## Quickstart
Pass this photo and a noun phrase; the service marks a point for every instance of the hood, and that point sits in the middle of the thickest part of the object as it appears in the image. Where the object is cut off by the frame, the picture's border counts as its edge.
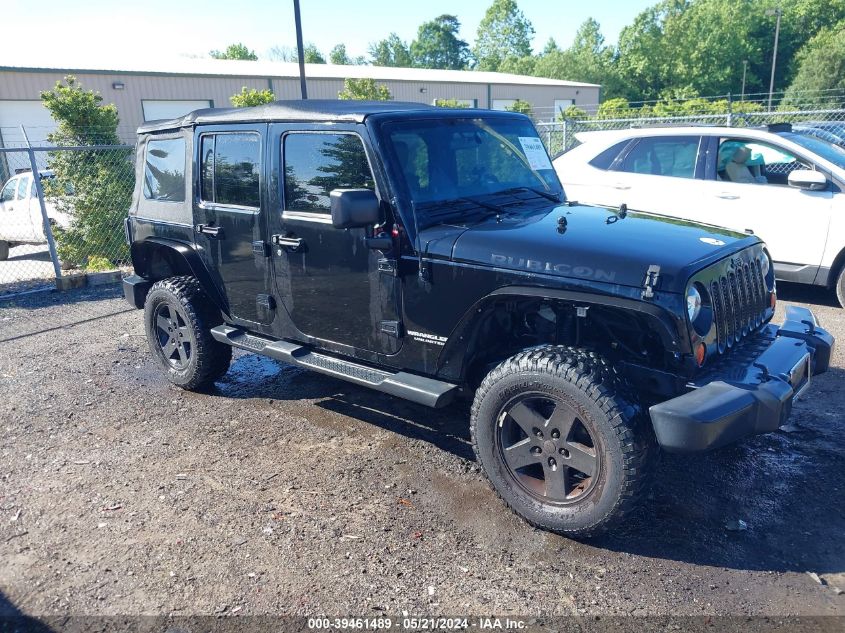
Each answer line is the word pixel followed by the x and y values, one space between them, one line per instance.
pixel 589 243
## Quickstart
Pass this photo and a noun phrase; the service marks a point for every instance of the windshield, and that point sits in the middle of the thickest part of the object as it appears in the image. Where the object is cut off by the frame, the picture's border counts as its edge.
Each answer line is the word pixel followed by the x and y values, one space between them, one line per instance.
pixel 831 153
pixel 450 159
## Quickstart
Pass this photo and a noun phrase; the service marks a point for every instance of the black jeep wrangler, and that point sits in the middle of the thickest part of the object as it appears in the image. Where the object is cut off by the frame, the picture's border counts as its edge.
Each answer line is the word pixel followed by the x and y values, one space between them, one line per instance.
pixel 428 253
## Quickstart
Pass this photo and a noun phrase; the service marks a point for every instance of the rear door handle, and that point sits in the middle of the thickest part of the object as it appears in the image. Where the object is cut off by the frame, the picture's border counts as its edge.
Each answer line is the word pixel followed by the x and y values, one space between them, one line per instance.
pixel 212 231
pixel 621 186
pixel 727 196
pixel 287 241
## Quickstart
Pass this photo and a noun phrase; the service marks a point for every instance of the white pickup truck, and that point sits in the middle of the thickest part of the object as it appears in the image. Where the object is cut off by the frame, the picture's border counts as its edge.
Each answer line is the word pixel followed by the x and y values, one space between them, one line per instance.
pixel 20 213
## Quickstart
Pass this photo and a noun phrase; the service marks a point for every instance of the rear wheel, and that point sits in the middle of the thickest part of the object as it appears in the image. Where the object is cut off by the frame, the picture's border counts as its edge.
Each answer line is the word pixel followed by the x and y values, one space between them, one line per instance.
pixel 4 251
pixel 178 318
pixel 560 441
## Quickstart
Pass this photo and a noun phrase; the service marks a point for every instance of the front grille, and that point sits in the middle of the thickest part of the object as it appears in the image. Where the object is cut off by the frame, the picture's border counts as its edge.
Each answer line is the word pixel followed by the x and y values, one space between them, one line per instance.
pixel 739 303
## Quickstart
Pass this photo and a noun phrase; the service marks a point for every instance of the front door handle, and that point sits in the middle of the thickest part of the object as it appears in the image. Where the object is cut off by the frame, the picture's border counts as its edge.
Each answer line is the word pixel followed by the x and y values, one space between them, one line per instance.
pixel 727 196
pixel 212 231
pixel 621 187
pixel 287 241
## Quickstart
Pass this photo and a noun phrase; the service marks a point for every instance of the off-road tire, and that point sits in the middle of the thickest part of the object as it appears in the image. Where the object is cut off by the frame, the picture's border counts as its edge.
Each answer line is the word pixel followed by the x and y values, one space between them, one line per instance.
pixel 4 251
pixel 208 359
pixel 625 447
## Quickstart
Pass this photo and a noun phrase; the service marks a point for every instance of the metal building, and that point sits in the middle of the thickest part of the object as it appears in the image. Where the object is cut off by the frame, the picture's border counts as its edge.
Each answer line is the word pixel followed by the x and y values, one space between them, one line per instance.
pixel 155 90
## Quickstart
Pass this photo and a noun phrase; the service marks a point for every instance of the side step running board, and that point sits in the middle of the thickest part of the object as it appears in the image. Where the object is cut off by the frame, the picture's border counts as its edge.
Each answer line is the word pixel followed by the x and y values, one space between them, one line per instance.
pixel 427 391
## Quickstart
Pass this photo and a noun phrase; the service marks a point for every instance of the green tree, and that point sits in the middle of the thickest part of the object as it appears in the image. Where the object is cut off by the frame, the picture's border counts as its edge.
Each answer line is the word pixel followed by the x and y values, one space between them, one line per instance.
pixel 101 181
pixel 392 51
pixel 338 55
pixel 503 32
pixel 251 97
pixel 289 54
pixel 519 65
pixel 438 45
pixel 588 60
pixel 312 55
pixel 572 112
pixel 523 107
pixel 617 108
pixel 701 44
pixel 450 103
pixel 235 51
pixel 821 71
pixel 364 90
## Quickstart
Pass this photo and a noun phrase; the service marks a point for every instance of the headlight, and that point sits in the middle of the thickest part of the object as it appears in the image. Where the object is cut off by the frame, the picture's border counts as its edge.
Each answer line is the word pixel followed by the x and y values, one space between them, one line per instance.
pixel 693 303
pixel 768 271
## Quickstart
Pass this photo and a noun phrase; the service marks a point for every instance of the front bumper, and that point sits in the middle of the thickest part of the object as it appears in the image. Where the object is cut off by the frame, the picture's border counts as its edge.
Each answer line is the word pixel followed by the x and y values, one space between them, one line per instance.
pixel 749 391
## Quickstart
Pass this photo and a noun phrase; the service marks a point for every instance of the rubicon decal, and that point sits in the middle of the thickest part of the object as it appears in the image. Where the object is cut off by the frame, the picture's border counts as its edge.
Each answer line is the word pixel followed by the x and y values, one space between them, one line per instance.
pixel 552 267
pixel 423 337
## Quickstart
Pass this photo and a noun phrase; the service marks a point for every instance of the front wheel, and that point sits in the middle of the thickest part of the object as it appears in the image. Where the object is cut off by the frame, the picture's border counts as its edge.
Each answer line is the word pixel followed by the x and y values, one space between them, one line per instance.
pixel 178 318
pixel 559 440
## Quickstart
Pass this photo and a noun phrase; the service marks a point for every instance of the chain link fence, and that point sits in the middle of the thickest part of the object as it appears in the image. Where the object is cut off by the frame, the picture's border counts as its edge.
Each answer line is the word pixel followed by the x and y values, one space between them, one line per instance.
pixel 828 125
pixel 61 227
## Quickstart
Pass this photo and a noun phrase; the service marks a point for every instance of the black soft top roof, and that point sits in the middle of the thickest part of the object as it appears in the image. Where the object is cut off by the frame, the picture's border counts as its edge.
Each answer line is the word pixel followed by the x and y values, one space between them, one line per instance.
pixel 310 110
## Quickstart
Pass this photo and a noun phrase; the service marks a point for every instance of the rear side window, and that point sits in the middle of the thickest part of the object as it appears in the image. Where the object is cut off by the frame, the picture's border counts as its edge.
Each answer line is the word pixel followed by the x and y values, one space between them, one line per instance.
pixel 230 168
pixel 663 156
pixel 315 164
pixel 164 170
pixel 605 159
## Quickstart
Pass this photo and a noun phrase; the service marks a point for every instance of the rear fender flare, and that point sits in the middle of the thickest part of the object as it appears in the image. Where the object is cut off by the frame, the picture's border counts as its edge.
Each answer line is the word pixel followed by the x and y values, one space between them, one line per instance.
pixel 187 255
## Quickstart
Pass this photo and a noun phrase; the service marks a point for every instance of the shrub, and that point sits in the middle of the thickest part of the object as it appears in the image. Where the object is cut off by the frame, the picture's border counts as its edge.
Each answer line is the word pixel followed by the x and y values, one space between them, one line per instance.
pixel 364 90
pixel 252 97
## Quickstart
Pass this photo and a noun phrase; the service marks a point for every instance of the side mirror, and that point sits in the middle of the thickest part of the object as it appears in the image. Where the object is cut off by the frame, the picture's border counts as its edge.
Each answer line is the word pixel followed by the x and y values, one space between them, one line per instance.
pixel 353 208
pixel 807 179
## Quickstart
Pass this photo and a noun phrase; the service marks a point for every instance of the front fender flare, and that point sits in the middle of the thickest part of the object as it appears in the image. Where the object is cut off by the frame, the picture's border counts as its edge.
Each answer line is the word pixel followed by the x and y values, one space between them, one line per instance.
pixel 668 328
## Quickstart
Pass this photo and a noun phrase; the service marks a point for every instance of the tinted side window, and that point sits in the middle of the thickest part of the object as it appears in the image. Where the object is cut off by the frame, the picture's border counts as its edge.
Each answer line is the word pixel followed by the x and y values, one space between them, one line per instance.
pixel 605 159
pixel 317 163
pixel 164 170
pixel 663 156
pixel 229 169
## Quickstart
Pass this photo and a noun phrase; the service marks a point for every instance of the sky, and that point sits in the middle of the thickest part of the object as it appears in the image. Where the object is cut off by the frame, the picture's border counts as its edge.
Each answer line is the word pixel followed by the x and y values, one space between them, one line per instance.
pixel 60 31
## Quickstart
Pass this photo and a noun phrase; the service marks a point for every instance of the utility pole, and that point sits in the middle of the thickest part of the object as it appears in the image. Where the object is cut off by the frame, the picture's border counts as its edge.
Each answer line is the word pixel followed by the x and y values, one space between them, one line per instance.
pixel 300 49
pixel 744 70
pixel 778 12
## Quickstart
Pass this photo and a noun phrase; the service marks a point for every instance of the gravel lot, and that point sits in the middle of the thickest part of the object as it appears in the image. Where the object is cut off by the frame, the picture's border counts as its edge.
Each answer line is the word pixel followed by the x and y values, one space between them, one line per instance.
pixel 286 492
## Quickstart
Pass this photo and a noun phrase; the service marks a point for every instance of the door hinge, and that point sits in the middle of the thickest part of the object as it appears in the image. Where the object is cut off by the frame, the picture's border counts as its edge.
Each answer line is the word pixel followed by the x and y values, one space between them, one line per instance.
pixel 262 249
pixel 391 328
pixel 652 278
pixel 387 266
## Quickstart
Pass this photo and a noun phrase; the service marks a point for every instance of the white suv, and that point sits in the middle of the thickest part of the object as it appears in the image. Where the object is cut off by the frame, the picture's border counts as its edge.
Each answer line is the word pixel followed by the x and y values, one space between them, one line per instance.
pixel 20 213
pixel 786 187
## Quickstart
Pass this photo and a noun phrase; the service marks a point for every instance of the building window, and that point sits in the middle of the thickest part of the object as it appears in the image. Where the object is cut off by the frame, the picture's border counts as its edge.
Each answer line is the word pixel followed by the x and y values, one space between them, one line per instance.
pixel 164 170
pixel 230 168
pixel 315 164
pixel 171 109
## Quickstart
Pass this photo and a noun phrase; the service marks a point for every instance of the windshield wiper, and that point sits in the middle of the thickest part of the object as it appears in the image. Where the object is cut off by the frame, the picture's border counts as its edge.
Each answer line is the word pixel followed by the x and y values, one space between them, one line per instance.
pixel 554 197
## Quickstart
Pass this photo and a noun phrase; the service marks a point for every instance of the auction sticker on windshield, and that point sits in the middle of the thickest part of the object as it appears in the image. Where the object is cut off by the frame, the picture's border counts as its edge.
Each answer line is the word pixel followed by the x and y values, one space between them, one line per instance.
pixel 535 153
